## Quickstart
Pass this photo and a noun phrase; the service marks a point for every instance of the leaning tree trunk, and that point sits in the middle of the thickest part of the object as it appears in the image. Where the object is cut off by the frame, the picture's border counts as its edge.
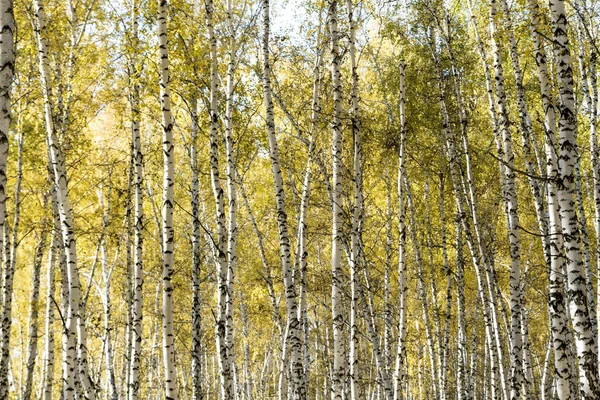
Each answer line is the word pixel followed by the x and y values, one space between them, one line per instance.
pixel 474 243
pixel 425 309
pixel 74 321
pixel 293 340
pixel 339 351
pixel 167 207
pixel 584 340
pixel 7 67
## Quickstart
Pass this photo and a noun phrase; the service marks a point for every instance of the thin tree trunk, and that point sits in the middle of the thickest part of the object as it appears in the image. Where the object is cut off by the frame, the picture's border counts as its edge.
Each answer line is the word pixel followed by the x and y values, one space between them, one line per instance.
pixel 34 311
pixel 48 357
pixel 197 373
pixel 138 225
pixel 425 309
pixel 225 366
pixel 357 209
pixel 112 391
pixel 474 244
pixel 261 250
pixel 74 320
pixel 302 252
pixel 292 338
pixel 399 377
pixel 232 229
pixel 462 387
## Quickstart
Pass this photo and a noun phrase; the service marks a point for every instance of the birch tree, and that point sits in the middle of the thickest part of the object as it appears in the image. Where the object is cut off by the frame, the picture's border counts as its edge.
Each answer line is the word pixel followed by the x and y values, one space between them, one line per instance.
pixel 402 286
pixel 567 126
pixel 7 68
pixel 510 193
pixel 293 340
pixel 167 238
pixel 74 322
pixel 138 223
pixel 339 352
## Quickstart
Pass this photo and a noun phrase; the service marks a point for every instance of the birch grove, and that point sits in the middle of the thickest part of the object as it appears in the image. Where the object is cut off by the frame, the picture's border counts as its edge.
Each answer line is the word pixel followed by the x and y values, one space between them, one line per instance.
pixel 342 200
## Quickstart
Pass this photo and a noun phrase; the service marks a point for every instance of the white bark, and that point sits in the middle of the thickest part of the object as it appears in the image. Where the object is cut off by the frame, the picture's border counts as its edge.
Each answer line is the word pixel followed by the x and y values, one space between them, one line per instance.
pixel 167 207
pixel 48 357
pixel 584 339
pixel 590 95
pixel 512 208
pixel 425 309
pixel 292 339
pixel 34 311
pixel 197 372
pixel 462 387
pixel 138 219
pixel 232 228
pixel 302 251
pixel 357 209
pixel 7 66
pixel 10 263
pixel 558 325
pixel 74 321
pixel 339 351
pixel 220 248
pixel 399 377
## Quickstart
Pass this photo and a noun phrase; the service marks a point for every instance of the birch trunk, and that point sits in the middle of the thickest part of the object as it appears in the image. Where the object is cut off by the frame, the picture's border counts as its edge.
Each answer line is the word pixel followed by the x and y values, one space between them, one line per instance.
pixel 197 373
pixel 302 251
pixel 339 351
pixel 167 207
pixel 138 224
pixel 425 309
pixel 399 377
pixel 357 209
pixel 292 338
pixel 474 243
pixel 225 367
pixel 232 229
pixel 48 357
pixel 34 311
pixel 462 386
pixel 7 67
pixel 584 340
pixel 510 194
pixel 590 95
pixel 10 263
pixel 74 320
pixel 558 325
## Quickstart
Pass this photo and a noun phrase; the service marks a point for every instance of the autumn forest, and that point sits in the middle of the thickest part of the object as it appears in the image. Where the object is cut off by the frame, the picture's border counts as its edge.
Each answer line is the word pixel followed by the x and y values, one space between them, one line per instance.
pixel 299 199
